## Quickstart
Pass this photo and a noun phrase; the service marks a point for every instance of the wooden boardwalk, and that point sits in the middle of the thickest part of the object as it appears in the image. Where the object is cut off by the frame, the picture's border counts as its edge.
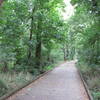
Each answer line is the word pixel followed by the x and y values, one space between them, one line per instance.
pixel 63 83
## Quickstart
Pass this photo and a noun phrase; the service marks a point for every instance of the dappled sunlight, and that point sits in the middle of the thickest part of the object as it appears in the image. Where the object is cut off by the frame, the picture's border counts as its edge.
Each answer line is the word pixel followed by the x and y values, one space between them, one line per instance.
pixel 68 10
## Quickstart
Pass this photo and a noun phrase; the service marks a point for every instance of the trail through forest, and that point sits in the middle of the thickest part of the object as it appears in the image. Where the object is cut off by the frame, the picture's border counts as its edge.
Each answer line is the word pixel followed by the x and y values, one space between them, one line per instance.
pixel 63 83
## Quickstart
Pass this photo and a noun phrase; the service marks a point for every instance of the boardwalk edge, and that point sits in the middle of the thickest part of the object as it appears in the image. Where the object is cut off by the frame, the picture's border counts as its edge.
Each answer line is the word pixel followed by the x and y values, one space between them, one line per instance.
pixel 85 85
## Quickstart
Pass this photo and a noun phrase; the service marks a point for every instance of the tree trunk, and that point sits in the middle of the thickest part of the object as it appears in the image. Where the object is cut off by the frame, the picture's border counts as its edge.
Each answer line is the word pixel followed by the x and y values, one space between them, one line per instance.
pixel 38 51
pixel 48 57
pixel 64 55
pixel 5 68
pixel 38 44
pixel 31 33
pixel 65 52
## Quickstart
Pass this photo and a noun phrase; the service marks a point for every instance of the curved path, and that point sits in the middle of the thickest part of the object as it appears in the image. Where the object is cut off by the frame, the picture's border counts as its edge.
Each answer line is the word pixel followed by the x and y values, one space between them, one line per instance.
pixel 63 83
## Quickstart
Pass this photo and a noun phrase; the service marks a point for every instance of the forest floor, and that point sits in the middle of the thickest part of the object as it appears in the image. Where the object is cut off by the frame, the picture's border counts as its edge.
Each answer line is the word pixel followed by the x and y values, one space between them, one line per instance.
pixel 63 83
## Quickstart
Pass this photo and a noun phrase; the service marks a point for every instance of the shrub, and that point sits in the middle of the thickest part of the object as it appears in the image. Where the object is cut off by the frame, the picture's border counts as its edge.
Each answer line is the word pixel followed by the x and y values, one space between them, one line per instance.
pixel 96 95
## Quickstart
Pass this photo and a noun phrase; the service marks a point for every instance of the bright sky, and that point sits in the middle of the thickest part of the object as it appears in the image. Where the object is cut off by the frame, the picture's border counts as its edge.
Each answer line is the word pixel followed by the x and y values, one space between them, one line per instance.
pixel 69 10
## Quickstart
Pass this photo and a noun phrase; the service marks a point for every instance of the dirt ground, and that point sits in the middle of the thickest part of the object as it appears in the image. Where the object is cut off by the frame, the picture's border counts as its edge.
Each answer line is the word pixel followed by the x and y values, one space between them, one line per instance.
pixel 63 83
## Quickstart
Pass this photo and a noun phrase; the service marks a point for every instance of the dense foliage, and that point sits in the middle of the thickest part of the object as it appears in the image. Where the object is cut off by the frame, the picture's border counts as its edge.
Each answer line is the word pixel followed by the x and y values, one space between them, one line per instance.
pixel 29 31
pixel 87 29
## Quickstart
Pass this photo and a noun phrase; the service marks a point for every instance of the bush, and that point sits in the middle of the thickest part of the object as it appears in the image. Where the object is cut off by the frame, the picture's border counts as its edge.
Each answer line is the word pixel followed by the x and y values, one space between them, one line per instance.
pixel 34 71
pixel 96 95
pixel 46 68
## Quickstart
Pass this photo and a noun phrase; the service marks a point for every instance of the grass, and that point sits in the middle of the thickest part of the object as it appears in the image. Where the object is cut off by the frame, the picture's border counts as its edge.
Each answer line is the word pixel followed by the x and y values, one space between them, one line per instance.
pixel 92 79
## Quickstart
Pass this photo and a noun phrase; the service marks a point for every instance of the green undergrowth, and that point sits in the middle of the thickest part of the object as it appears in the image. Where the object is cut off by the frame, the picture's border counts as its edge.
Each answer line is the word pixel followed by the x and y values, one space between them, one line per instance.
pixel 49 67
pixel 92 78
pixel 11 81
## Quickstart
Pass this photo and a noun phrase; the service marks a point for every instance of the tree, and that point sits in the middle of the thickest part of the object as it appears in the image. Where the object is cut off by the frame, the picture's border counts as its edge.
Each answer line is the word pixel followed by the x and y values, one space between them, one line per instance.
pixel 26 27
pixel 87 32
